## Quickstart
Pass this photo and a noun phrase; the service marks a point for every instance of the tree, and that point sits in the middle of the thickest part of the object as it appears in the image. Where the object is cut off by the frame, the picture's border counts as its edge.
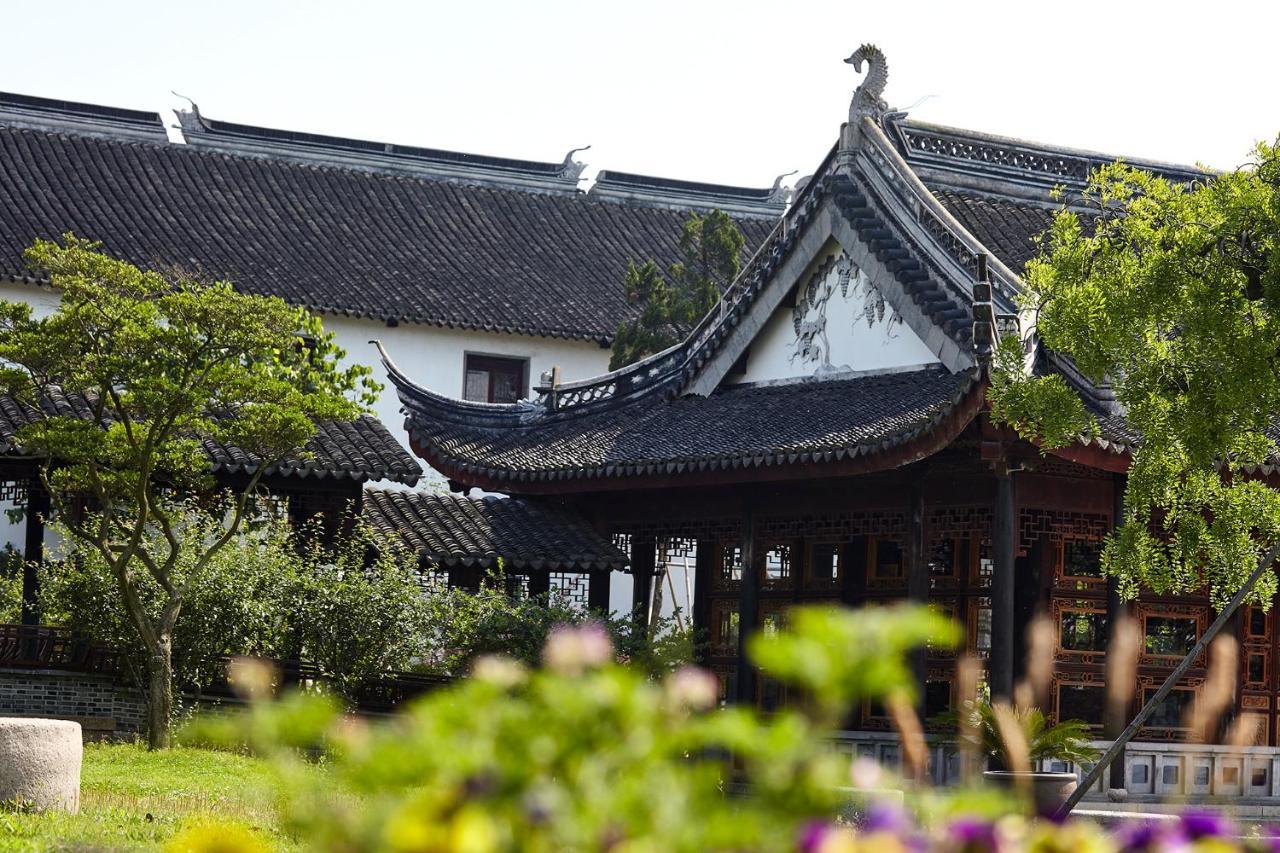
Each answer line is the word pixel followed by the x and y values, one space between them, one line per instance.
pixel 1172 292
pixel 123 382
pixel 671 305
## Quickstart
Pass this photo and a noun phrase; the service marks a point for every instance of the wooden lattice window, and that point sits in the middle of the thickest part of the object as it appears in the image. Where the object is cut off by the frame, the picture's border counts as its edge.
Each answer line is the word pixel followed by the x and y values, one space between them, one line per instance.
pixel 730 563
pixel 946 557
pixel 1257 669
pixel 493 379
pixel 778 566
pixel 825 568
pixel 1173 711
pixel 1085 702
pixel 885 559
pixel 570 588
pixel 724 628
pixel 1082 629
pixel 1170 636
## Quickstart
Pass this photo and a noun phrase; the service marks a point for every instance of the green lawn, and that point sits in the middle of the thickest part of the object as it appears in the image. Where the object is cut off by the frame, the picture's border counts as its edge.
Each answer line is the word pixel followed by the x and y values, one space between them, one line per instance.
pixel 132 799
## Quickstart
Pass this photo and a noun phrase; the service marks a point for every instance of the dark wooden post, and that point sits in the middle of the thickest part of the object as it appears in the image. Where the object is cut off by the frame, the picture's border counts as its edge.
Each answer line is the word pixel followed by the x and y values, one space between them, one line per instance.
pixel 1004 549
pixel 33 551
pixel 540 582
pixel 917 579
pixel 704 568
pixel 853 580
pixel 748 610
pixel 598 590
pixel 642 563
pixel 1117 609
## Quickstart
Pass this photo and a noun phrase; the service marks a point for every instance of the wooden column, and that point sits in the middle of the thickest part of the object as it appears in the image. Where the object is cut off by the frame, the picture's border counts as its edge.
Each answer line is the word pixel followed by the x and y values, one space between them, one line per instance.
pixel 917 579
pixel 642 562
pixel 1114 720
pixel 33 551
pixel 853 569
pixel 1028 589
pixel 748 610
pixel 704 568
pixel 540 582
pixel 466 577
pixel 1004 548
pixel 598 590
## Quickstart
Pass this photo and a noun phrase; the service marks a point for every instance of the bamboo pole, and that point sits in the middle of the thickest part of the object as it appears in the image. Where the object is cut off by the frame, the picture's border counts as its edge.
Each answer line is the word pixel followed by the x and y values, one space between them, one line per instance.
pixel 1118 745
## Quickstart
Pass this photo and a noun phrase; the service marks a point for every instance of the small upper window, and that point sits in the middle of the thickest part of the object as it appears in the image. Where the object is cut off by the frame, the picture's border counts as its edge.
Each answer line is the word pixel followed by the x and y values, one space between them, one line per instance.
pixel 490 379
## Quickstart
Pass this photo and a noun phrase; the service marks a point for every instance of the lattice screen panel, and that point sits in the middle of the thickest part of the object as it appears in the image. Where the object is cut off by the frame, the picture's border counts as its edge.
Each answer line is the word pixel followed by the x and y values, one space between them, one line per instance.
pixel 571 588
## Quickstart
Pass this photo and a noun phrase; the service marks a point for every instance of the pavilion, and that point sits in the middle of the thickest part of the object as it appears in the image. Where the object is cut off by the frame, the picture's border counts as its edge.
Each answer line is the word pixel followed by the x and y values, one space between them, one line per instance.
pixel 823 435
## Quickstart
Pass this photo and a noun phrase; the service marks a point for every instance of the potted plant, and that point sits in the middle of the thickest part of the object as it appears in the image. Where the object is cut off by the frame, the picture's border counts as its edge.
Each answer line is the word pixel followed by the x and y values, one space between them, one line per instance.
pixel 986 732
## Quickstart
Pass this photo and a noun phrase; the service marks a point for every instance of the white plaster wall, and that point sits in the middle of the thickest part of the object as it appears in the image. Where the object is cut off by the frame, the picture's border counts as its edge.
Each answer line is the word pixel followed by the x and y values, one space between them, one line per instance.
pixel 433 357
pixel 843 330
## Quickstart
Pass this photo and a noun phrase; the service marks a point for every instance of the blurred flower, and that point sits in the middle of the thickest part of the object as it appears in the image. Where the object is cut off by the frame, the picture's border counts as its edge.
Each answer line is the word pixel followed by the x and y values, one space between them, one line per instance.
pixel 887 817
pixel 1197 825
pixel 499 670
pixel 1139 835
pixel 210 837
pixel 825 837
pixel 866 773
pixel 572 649
pixel 971 835
pixel 692 687
pixel 251 678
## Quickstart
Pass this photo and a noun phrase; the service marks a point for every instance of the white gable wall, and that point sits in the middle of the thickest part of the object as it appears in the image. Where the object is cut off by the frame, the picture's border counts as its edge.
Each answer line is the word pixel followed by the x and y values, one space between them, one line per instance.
pixel 840 324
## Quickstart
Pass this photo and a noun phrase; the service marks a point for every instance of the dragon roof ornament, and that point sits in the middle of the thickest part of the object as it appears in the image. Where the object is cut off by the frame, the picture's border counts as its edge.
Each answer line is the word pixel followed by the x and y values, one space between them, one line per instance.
pixel 868 99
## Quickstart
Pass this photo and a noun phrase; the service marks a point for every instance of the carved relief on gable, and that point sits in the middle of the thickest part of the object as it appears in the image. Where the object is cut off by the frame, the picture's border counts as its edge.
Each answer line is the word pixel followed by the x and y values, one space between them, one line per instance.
pixel 840 323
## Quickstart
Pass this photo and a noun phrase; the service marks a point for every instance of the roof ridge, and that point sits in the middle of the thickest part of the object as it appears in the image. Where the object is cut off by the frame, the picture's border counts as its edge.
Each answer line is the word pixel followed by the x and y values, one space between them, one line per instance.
pixel 36 112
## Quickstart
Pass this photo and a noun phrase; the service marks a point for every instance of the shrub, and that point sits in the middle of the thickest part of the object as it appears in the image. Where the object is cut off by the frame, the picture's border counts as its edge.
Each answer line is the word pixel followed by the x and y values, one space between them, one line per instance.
pixel 354 608
pixel 588 754
pixel 463 625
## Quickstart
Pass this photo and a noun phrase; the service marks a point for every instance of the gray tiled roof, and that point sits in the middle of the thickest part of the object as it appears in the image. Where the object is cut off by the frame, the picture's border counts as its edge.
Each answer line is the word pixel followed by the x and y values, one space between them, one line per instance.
pixel 344 241
pixel 451 530
pixel 357 450
pixel 737 427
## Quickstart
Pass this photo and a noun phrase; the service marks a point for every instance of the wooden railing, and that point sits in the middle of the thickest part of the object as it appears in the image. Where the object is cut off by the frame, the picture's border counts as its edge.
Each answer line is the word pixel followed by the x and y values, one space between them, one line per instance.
pixel 43 647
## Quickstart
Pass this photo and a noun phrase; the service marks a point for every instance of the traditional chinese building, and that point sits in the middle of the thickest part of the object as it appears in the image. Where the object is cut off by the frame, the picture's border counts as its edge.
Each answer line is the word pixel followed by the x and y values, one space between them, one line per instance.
pixel 824 435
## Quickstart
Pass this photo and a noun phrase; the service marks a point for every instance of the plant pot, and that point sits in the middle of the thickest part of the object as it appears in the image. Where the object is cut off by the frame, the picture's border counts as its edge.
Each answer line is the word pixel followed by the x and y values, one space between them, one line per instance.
pixel 1049 791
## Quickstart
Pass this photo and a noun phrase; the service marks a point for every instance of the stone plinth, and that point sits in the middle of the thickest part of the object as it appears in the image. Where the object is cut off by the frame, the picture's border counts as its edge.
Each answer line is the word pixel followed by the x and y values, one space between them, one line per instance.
pixel 40 763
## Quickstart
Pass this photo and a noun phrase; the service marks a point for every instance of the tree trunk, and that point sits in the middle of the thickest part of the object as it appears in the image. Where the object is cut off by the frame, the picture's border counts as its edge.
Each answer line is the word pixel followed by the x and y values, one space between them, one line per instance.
pixel 160 695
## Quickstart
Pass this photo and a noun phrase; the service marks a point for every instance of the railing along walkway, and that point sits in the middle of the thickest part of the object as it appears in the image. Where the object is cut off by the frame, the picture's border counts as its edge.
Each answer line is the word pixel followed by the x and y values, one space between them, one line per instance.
pixel 1152 771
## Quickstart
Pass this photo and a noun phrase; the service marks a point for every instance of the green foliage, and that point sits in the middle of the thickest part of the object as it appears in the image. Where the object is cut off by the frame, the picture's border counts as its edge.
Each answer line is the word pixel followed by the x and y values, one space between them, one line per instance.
pixel 588 754
pixel 1066 741
pixel 238 604
pixel 671 305
pixel 355 609
pixel 1174 296
pixel 10 585
pixel 464 625
pixel 832 654
pixel 163 360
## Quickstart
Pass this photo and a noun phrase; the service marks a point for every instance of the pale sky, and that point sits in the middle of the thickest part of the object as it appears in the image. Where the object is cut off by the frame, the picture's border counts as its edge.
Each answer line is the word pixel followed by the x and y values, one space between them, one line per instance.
pixel 730 92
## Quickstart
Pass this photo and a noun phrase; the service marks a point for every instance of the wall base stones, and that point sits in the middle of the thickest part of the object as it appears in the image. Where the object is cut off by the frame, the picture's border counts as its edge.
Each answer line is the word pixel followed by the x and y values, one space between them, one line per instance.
pixel 104 708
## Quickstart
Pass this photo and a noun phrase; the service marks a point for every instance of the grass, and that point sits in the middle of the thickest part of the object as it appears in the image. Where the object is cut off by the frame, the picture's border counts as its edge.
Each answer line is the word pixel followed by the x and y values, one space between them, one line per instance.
pixel 132 799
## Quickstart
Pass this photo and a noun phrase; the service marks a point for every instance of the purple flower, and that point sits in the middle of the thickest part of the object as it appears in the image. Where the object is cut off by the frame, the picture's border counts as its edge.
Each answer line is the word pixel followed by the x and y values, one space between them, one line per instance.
pixel 1139 835
pixel 1197 825
pixel 973 834
pixel 887 817
pixel 812 834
